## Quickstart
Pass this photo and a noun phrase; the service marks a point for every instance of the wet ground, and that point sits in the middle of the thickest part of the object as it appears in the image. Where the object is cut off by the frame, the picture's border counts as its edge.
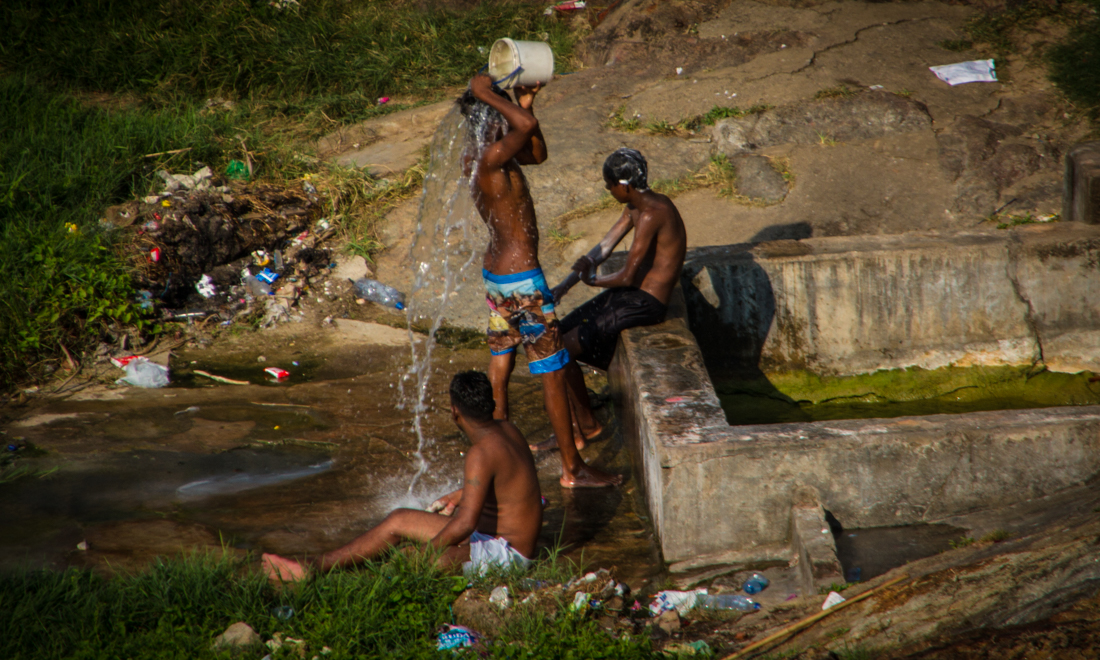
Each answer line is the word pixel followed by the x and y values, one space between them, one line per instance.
pixel 291 467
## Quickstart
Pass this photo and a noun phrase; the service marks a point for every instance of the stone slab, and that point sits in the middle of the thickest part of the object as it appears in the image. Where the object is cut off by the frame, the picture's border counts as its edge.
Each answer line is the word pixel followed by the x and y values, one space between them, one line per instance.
pixel 387 145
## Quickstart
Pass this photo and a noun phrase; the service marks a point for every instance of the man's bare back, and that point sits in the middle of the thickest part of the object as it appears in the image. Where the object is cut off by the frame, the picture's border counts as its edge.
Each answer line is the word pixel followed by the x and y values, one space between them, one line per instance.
pixel 512 507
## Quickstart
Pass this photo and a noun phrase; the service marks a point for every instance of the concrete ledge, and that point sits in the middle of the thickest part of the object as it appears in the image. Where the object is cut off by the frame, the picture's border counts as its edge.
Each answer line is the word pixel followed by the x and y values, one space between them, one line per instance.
pixel 722 494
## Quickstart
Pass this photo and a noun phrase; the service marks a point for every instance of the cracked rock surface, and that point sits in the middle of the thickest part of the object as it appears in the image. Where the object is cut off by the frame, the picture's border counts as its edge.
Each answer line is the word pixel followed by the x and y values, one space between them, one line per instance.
pixel 870 140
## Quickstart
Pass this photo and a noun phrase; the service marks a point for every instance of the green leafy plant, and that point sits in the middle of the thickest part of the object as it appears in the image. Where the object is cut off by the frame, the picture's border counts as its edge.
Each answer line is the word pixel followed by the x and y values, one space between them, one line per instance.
pixel 620 122
pixel 838 587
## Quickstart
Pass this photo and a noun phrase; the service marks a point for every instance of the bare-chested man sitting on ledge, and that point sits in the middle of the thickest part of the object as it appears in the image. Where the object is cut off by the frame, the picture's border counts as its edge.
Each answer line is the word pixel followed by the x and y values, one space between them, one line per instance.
pixel 637 293
pixel 501 136
pixel 493 519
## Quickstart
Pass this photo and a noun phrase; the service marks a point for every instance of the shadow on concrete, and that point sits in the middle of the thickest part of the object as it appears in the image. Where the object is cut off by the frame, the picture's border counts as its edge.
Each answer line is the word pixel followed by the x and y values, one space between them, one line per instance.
pixel 731 310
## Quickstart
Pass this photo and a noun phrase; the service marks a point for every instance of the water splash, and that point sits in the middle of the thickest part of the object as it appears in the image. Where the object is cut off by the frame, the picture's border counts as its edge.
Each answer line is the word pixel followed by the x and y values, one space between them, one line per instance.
pixel 449 239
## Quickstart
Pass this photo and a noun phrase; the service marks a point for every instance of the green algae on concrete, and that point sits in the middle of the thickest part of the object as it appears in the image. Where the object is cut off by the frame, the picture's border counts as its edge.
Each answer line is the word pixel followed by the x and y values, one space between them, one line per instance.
pixel 802 396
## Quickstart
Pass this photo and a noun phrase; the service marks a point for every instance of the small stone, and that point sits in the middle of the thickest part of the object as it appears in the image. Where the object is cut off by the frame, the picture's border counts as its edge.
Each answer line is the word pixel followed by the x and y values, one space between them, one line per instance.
pixel 669 622
pixel 261 359
pixel 83 545
pixel 237 635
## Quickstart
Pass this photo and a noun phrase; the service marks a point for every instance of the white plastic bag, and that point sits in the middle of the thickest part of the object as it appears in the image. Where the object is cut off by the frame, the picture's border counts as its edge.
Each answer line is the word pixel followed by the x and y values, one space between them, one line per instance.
pixel 140 372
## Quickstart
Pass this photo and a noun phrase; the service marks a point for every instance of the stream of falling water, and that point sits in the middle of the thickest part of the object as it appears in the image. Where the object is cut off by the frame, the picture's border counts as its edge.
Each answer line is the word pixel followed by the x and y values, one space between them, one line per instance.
pixel 449 239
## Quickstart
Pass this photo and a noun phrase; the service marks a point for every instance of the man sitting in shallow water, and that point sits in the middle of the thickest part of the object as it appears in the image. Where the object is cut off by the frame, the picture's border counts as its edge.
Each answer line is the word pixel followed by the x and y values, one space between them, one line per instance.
pixel 494 518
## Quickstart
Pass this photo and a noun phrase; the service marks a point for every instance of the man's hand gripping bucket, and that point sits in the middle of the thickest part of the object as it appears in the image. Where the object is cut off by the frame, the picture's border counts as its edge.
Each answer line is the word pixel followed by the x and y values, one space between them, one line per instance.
pixel 525 63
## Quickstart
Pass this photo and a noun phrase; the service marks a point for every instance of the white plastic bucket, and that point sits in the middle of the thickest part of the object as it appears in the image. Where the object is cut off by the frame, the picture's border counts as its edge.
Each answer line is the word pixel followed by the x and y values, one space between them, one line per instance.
pixel 526 63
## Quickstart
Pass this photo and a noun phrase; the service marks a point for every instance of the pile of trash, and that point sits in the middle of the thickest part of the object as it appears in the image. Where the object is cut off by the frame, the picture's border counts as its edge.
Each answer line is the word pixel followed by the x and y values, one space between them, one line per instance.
pixel 206 249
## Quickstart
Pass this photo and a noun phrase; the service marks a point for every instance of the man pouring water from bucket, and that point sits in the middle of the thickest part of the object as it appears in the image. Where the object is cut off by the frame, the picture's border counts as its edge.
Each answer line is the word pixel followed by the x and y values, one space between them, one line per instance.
pixel 501 136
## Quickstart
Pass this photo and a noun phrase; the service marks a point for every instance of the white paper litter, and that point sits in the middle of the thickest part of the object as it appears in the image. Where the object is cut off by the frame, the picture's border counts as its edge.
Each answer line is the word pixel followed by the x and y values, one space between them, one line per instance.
pixel 966 72
pixel 833 599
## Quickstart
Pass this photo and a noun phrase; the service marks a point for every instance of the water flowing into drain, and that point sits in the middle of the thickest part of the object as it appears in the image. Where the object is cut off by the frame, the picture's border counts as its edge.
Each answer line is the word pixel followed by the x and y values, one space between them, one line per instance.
pixel 449 239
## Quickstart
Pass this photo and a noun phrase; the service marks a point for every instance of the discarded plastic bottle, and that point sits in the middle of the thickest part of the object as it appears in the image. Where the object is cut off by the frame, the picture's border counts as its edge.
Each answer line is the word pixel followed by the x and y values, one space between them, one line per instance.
pixel 755 584
pixel 375 291
pixel 255 286
pixel 727 602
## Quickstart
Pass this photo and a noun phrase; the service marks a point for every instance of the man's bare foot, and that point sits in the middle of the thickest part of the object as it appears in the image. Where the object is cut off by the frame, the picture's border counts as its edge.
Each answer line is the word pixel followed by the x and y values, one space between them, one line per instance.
pixel 280 569
pixel 551 443
pixel 589 477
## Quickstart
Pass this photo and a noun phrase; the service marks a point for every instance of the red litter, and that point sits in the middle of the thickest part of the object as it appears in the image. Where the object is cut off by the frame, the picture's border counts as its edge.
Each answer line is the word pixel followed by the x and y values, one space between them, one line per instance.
pixel 123 361
pixel 277 373
pixel 569 5
pixel 154 254
pixel 676 399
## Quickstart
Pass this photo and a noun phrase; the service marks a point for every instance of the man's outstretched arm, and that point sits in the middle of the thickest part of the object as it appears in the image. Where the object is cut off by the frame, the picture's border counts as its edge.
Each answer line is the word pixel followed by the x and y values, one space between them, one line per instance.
pixel 596 256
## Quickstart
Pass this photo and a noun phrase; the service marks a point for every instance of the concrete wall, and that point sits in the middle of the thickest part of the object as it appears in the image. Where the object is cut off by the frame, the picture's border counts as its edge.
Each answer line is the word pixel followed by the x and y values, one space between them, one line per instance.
pixel 720 494
pixel 850 305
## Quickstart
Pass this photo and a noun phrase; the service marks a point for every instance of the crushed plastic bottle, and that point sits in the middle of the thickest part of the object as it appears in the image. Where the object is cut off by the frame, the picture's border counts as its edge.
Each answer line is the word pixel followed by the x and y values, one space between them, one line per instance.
pixel 375 291
pixel 255 286
pixel 726 602
pixel 755 584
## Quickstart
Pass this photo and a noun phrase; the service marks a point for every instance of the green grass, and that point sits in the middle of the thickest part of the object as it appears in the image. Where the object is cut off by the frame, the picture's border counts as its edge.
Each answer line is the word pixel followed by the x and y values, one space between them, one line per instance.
pixel 176 608
pixel 718 112
pixel 998 30
pixel 996 536
pixel 333 55
pixel 838 587
pixel 962 542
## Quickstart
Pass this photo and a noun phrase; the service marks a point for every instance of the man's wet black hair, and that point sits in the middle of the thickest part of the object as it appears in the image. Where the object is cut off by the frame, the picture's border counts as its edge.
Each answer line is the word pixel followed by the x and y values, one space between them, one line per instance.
pixel 627 166
pixel 468 102
pixel 482 119
pixel 472 394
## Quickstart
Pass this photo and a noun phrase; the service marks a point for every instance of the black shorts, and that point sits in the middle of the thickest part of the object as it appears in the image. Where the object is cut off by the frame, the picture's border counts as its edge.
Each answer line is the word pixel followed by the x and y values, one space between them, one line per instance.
pixel 601 319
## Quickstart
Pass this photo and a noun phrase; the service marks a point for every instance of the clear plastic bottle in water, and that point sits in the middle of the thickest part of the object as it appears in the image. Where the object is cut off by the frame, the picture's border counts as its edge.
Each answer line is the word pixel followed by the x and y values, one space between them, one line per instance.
pixel 375 291
pixel 727 602
pixel 755 584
